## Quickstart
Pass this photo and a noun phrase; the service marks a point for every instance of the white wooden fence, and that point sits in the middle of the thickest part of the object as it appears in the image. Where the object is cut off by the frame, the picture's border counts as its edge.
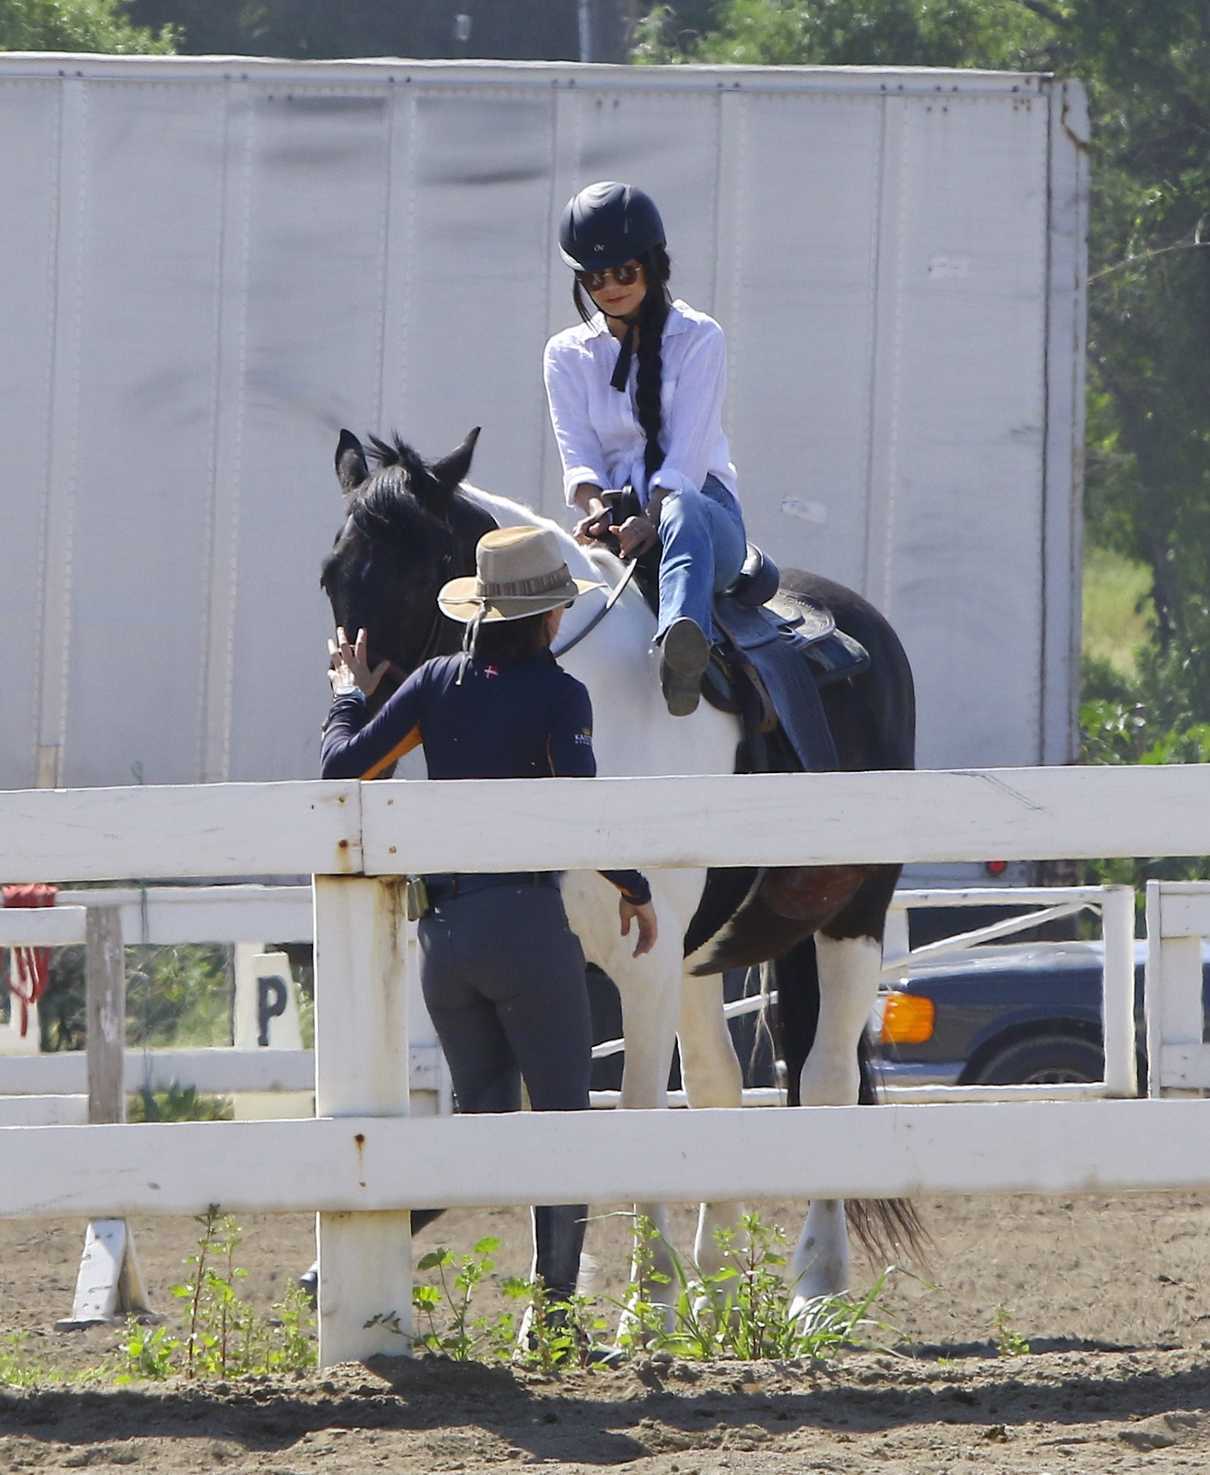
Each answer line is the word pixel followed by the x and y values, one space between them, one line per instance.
pixel 1178 922
pixel 51 1089
pixel 362 1164
pixel 1115 904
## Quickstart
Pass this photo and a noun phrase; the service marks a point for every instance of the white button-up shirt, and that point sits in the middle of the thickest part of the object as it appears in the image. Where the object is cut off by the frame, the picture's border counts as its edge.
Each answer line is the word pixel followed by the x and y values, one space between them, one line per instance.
pixel 597 427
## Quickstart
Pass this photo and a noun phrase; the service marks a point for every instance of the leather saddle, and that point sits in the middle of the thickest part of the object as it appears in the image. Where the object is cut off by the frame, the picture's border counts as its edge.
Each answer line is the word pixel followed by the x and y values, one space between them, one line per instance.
pixel 833 654
pixel 780 648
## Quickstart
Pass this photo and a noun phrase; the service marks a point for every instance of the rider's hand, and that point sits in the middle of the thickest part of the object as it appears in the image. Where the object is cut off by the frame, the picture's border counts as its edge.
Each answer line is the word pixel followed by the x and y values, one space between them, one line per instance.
pixel 645 917
pixel 594 524
pixel 635 536
pixel 349 667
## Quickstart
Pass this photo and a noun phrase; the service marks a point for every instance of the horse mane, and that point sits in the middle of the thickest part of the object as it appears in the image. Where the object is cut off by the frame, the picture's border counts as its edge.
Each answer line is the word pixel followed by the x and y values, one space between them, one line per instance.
pixel 397 452
pixel 591 563
pixel 390 495
pixel 393 497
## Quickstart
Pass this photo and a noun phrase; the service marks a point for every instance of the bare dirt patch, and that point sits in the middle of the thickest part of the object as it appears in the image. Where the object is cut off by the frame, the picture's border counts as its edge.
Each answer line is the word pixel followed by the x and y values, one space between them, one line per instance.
pixel 1109 1293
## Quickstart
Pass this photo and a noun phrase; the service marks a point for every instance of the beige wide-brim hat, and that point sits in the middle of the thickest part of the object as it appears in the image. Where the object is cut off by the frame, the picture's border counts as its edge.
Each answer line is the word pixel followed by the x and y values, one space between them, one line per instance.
pixel 518 571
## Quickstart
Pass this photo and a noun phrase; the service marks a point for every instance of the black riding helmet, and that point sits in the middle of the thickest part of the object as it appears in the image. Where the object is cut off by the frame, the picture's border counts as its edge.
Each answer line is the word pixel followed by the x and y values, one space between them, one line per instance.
pixel 608 223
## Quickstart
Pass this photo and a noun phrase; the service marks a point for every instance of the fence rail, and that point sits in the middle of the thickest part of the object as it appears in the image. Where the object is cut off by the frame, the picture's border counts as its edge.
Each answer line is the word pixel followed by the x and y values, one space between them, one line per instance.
pixel 163 916
pixel 363 1164
pixel 385 829
pixel 383 1165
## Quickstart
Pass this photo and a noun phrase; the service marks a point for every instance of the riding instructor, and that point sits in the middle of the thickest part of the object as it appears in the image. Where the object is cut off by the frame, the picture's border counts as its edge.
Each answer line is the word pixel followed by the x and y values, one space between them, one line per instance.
pixel 501 972
pixel 636 396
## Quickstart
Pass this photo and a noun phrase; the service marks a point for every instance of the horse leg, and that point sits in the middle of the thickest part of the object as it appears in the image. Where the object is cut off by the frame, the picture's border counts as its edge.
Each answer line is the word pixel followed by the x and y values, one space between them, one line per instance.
pixel 649 1025
pixel 849 970
pixel 848 953
pixel 711 1074
pixel 649 990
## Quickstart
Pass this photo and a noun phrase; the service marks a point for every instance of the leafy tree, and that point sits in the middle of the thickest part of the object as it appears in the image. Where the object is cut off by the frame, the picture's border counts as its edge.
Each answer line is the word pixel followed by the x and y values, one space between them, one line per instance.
pixel 984 33
pixel 1149 322
pixel 1147 70
pixel 202 27
pixel 76 25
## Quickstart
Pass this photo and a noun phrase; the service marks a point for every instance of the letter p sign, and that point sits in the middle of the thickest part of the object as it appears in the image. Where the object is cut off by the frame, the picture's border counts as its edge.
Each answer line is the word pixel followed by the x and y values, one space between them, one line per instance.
pixel 272 993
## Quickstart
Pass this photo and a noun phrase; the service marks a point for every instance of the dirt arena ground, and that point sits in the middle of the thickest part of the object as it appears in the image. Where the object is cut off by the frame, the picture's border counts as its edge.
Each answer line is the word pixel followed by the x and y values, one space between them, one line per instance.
pixel 1112 1296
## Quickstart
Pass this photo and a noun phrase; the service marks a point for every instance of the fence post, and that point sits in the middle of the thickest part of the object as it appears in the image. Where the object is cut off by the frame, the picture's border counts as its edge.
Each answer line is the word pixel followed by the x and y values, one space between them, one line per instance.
pixel 105 1013
pixel 109 1283
pixel 361 1069
pixel 1175 1012
pixel 1117 1004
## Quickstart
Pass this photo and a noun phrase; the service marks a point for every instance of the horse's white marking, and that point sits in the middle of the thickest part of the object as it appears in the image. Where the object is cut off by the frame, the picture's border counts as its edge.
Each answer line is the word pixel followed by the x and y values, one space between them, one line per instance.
pixel 711 1074
pixel 723 935
pixel 635 736
pixel 848 984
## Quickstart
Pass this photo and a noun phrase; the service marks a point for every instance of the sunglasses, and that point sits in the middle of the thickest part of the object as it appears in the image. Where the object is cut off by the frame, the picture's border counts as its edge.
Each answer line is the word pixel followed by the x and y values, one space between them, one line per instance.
pixel 625 276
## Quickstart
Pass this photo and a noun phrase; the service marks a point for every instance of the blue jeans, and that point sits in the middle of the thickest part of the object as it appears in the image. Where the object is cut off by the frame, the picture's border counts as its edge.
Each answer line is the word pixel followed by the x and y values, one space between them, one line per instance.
pixel 703 547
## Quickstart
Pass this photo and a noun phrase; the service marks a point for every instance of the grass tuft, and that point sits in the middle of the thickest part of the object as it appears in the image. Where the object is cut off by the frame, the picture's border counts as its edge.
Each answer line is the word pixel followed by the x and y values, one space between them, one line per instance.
pixel 1118 615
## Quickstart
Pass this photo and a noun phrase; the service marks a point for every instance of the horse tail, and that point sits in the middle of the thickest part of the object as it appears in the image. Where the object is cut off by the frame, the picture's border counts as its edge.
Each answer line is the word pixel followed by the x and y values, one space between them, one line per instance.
pixel 884 1227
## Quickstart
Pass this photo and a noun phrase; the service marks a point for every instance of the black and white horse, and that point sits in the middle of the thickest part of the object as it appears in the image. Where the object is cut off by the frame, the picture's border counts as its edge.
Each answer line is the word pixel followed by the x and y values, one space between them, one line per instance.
pixel 408 527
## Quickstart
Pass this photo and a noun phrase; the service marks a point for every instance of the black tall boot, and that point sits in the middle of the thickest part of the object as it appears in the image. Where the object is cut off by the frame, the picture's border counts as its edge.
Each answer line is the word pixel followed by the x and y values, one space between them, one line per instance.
pixel 558 1240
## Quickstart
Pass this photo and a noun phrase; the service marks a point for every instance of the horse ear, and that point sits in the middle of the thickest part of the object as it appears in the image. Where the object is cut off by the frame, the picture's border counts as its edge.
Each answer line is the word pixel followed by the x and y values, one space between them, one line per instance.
pixel 351 467
pixel 452 469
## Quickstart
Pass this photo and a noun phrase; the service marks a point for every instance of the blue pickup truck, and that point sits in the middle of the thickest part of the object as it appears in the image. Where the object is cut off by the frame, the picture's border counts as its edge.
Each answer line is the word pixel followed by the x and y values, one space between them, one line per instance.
pixel 1002 1015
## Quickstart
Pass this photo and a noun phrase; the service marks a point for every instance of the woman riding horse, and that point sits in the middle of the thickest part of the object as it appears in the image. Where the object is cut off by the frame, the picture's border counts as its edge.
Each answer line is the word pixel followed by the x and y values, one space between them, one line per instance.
pixel 636 396
pixel 406 527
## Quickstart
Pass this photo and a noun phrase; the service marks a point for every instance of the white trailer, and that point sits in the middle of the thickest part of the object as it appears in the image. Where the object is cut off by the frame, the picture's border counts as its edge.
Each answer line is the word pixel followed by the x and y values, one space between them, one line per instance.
pixel 208 266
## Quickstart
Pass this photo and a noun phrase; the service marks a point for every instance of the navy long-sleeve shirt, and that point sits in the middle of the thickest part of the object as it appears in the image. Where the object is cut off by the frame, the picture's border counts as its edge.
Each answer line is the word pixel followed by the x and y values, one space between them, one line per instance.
pixel 527 719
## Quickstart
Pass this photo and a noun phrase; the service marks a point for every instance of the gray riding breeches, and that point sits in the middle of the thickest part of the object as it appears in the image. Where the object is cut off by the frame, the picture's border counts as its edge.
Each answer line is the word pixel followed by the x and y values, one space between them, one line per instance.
pixel 503 980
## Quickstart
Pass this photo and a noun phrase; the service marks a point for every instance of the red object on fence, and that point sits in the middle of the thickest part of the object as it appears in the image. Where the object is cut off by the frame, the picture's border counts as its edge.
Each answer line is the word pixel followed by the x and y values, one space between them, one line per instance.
pixel 32 964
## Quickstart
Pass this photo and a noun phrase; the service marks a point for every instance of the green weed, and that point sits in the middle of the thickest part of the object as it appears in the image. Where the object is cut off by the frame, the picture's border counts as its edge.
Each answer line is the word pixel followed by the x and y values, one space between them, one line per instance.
pixel 443 1310
pixel 225 1337
pixel 148 1352
pixel 1009 1343
pixel 178 1104
pixel 22 1367
pixel 741 1310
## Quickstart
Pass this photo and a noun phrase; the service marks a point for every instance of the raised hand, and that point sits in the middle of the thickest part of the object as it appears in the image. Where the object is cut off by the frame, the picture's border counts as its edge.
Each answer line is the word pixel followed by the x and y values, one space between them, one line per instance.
pixel 349 667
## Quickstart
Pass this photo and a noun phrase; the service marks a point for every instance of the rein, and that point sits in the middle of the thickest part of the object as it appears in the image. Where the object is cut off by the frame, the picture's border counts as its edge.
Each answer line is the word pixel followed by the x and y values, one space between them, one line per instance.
pixel 429 648
pixel 614 595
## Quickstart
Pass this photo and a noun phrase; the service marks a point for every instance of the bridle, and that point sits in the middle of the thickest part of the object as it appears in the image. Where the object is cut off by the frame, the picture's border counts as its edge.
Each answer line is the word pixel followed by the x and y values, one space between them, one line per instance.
pixel 427 650
pixel 432 637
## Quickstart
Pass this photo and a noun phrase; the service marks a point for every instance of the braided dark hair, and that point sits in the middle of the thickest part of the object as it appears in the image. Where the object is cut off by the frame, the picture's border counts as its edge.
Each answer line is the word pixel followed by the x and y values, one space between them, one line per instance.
pixel 653 313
